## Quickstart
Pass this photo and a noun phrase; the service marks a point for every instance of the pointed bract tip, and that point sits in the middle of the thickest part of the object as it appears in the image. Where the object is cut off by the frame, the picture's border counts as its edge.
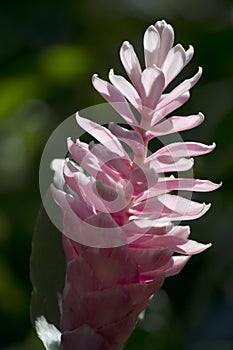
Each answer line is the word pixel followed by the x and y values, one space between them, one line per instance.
pixel 112 126
pixel 163 25
pixel 220 184
pixel 207 206
pixel 91 145
pixel 208 245
pixel 161 22
pixel 191 48
pixel 213 146
pixel 94 77
pixel 152 28
pixel 69 142
pixel 201 115
pixel 111 72
pixel 126 44
pixel 77 116
pixel 196 77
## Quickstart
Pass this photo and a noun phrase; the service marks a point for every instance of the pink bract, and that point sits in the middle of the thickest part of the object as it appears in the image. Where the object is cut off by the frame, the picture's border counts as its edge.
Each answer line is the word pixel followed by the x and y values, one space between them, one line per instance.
pixel 123 205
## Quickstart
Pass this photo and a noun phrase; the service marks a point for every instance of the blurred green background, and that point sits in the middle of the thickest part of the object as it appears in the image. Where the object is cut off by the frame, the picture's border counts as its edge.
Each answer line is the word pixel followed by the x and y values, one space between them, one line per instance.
pixel 48 53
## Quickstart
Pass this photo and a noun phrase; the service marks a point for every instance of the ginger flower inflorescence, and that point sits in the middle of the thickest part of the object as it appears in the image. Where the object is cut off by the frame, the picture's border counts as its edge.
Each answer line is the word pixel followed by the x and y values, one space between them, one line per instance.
pixel 127 205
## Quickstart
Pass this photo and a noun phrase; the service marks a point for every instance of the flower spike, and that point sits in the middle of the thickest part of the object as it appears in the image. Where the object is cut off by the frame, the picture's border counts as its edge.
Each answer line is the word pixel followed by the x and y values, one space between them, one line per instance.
pixel 122 231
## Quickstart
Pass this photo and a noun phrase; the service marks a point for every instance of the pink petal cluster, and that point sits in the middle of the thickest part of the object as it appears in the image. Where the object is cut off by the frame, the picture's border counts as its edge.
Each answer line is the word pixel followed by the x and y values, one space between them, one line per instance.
pixel 124 206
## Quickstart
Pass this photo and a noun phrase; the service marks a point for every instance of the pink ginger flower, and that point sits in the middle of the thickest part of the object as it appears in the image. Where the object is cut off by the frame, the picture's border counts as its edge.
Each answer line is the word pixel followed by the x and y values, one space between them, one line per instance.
pixel 124 206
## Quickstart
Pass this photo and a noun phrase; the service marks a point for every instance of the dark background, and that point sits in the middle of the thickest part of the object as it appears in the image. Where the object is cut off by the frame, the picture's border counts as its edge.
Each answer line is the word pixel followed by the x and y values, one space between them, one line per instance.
pixel 48 53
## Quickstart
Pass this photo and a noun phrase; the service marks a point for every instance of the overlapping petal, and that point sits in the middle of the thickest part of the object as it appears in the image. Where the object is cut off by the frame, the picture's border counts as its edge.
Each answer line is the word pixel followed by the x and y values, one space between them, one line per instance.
pixel 115 98
pixel 166 185
pixel 175 124
pixel 166 33
pixel 131 64
pixel 151 43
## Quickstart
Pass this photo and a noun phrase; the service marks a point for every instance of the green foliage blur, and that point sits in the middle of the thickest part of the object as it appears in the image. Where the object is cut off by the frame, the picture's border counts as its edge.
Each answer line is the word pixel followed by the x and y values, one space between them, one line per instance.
pixel 48 53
